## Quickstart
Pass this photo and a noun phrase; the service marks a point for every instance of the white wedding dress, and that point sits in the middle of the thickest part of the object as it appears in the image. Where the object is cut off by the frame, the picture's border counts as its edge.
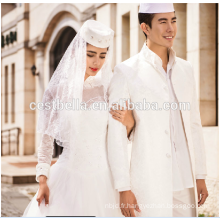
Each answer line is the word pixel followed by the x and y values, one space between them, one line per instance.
pixel 86 188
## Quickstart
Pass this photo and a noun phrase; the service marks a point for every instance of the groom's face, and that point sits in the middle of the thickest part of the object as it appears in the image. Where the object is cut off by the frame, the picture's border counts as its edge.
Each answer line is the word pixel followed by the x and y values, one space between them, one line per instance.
pixel 163 29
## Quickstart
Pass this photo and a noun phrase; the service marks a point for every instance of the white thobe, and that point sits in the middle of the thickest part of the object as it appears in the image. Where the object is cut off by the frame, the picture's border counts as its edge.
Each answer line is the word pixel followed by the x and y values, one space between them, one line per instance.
pixel 182 172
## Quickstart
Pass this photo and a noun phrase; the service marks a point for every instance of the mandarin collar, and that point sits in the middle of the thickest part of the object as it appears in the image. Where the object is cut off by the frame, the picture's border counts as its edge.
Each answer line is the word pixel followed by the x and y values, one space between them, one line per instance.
pixel 154 59
pixel 89 81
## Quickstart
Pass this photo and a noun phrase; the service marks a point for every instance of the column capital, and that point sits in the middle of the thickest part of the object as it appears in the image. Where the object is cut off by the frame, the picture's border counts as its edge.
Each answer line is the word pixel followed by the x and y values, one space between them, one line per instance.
pixel 39 47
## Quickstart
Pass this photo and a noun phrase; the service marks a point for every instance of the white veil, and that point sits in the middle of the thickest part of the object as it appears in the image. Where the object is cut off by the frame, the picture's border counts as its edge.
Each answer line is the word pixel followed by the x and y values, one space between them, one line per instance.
pixel 67 82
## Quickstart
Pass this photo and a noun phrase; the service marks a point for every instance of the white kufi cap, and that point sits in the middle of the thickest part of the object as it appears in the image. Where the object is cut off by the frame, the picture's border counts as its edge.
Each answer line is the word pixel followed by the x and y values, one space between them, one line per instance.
pixel 97 34
pixel 152 8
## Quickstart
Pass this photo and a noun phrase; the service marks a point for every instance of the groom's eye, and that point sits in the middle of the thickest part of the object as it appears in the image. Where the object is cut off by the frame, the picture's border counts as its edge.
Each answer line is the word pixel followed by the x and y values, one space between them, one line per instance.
pixel 89 55
pixel 102 57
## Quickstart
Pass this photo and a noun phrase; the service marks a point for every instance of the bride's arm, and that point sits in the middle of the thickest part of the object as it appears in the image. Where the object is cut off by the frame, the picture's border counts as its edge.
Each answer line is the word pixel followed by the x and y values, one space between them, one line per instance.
pixel 45 152
pixel 126 117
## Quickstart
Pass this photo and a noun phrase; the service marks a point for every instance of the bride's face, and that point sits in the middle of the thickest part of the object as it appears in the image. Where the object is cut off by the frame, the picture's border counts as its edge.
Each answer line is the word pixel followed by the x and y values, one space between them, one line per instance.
pixel 95 59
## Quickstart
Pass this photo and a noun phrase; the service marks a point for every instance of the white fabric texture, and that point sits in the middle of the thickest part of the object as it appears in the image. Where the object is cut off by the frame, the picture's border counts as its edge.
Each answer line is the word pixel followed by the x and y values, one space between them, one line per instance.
pixel 97 34
pixel 92 92
pixel 45 152
pixel 150 174
pixel 42 169
pixel 182 173
pixel 184 203
pixel 152 8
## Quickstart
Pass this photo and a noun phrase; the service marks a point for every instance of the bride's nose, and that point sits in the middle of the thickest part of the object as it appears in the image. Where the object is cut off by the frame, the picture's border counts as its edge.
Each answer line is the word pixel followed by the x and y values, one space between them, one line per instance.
pixel 96 62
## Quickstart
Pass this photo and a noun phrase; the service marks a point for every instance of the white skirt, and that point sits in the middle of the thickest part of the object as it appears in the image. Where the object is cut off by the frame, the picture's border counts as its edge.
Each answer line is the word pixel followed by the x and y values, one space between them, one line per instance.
pixel 76 194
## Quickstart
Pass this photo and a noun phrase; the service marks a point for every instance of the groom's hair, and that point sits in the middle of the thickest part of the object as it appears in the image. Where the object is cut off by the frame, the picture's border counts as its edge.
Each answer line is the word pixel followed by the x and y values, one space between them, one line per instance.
pixel 145 18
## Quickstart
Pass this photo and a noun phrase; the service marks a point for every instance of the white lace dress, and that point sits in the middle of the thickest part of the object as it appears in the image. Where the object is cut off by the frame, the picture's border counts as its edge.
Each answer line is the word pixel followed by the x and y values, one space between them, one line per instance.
pixel 86 189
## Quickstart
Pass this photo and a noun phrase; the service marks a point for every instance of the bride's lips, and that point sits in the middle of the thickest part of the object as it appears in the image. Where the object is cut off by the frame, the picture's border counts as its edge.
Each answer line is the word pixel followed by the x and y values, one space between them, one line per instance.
pixel 93 69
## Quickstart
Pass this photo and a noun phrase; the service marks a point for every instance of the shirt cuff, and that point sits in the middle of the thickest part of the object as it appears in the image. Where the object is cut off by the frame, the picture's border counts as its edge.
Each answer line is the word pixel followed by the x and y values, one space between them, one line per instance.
pixel 42 169
pixel 126 188
pixel 201 176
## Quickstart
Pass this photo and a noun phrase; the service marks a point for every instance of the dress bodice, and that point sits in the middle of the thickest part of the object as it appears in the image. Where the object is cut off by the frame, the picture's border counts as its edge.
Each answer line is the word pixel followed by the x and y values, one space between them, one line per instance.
pixel 90 150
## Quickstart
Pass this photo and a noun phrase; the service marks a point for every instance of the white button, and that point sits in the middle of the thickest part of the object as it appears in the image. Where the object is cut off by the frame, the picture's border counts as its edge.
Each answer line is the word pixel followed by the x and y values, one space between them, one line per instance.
pixel 168 155
pixel 166 132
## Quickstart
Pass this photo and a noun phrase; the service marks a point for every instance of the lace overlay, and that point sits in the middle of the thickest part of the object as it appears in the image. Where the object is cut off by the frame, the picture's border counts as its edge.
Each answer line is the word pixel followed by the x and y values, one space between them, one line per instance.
pixel 67 85
pixel 90 151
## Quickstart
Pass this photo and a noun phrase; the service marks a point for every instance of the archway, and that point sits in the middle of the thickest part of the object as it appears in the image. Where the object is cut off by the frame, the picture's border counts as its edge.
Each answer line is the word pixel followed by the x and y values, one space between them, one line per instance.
pixel 60 45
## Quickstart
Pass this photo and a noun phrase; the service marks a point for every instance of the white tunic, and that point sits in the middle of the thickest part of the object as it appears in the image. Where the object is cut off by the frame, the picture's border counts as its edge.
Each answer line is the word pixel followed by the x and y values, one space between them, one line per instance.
pixel 150 174
pixel 182 172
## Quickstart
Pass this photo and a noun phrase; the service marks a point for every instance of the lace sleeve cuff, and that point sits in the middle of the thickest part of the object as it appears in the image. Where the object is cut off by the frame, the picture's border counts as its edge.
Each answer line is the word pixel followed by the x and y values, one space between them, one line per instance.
pixel 42 169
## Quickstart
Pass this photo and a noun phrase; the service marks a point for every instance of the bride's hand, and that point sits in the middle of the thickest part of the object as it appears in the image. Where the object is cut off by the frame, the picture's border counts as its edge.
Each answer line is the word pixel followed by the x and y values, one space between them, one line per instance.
pixel 124 116
pixel 43 192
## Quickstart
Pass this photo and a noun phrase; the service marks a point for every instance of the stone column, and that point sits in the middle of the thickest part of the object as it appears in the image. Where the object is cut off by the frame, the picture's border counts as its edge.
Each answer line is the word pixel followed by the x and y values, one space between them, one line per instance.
pixel 39 85
pixel 201 52
pixel 208 63
pixel 180 40
pixel 106 14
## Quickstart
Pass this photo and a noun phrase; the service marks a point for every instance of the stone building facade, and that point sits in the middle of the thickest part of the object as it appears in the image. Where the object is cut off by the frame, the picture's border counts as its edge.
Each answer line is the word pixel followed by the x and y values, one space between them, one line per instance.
pixel 38 34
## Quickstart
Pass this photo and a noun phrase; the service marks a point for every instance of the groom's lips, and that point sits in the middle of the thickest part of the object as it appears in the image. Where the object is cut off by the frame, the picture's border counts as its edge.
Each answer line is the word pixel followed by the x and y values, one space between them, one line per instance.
pixel 94 69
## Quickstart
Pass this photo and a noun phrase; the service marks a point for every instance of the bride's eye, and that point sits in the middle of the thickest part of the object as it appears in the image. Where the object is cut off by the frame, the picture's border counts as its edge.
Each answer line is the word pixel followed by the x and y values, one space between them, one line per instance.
pixel 89 55
pixel 102 57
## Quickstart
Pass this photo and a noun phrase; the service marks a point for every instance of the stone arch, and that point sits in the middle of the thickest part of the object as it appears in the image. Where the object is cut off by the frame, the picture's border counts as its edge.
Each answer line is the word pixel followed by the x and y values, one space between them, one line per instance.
pixel 57 13
pixel 65 21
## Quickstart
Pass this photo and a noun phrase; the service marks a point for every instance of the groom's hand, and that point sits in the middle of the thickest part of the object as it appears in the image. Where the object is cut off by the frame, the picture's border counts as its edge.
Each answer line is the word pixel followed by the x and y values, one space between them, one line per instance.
pixel 128 203
pixel 202 191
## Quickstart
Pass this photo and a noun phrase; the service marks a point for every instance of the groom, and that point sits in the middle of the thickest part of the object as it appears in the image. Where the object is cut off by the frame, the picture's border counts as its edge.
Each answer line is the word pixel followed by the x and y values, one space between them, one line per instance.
pixel 166 176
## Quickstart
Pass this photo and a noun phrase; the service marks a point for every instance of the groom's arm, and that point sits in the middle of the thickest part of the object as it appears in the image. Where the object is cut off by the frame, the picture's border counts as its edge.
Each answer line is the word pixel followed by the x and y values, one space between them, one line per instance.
pixel 117 134
pixel 197 136
pixel 199 148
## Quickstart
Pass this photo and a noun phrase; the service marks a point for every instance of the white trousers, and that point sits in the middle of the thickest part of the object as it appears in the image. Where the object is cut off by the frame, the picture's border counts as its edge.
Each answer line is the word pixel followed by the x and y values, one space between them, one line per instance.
pixel 184 203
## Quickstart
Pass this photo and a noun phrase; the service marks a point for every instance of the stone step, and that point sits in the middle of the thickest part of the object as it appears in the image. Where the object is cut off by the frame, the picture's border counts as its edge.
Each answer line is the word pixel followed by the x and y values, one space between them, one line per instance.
pixel 19 169
pixel 18 179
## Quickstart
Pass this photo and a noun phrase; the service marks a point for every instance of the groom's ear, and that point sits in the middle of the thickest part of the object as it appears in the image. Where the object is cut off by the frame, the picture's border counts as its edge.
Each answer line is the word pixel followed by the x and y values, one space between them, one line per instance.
pixel 145 28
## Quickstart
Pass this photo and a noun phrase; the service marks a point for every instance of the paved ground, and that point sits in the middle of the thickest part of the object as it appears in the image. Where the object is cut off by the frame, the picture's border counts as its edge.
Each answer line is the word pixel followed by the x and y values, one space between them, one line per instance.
pixel 15 198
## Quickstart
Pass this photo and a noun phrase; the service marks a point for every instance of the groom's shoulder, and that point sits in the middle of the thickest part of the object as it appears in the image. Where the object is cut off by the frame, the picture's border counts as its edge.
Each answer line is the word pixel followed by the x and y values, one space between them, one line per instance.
pixel 132 61
pixel 129 65
pixel 183 63
pixel 184 66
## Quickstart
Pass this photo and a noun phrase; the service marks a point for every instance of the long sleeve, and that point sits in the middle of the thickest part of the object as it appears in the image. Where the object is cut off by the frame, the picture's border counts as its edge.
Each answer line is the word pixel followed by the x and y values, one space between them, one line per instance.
pixel 117 134
pixel 45 152
pixel 197 137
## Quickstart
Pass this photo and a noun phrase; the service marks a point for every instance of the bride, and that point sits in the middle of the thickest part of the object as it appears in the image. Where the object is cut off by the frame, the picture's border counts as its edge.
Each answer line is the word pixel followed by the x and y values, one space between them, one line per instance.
pixel 80 182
